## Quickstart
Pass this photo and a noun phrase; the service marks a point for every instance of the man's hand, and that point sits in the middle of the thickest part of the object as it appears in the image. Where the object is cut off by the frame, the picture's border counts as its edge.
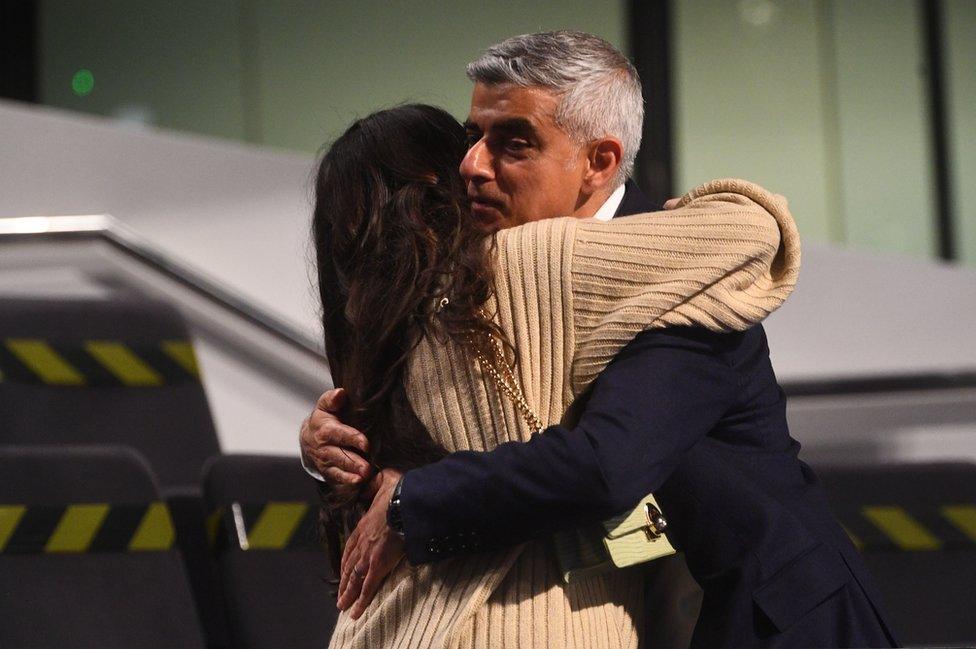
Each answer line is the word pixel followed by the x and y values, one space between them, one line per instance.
pixel 372 550
pixel 332 447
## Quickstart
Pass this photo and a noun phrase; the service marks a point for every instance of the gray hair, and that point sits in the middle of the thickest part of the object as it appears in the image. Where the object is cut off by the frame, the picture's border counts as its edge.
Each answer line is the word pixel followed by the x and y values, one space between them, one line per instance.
pixel 598 88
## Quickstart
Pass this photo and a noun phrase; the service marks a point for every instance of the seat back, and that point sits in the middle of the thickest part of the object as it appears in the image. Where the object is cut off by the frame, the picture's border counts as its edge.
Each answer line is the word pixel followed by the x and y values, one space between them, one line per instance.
pixel 93 371
pixel 86 553
pixel 915 525
pixel 275 573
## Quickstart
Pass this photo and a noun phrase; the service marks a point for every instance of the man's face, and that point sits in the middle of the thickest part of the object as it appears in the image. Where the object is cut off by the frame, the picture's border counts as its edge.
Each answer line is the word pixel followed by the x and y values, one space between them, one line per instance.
pixel 520 166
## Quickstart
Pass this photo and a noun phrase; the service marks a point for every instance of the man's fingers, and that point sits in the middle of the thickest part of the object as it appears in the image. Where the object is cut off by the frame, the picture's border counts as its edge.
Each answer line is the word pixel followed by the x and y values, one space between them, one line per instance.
pixel 671 203
pixel 328 430
pixel 343 577
pixel 343 580
pixel 377 573
pixel 332 401
pixel 347 581
pixel 354 586
pixel 349 591
pixel 348 551
pixel 335 476
pixel 342 459
pixel 349 559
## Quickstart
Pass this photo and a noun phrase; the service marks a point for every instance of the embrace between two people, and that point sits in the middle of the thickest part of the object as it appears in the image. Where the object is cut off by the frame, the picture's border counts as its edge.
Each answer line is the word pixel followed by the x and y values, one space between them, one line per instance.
pixel 458 307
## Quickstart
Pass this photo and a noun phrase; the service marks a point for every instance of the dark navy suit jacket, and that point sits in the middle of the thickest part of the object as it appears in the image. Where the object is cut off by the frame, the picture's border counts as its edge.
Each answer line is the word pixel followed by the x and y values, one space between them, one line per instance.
pixel 698 418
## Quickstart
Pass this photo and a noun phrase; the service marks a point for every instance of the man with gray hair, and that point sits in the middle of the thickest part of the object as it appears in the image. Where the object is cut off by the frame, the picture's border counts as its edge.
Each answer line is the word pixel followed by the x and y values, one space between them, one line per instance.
pixel 564 104
pixel 692 415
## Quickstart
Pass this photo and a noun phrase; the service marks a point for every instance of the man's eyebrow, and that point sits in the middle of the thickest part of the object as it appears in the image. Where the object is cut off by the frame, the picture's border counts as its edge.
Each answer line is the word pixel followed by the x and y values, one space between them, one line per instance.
pixel 509 124
pixel 514 125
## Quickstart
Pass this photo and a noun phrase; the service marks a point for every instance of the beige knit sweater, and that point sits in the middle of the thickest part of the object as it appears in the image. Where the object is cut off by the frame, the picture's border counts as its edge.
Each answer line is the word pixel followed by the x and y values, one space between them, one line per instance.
pixel 570 293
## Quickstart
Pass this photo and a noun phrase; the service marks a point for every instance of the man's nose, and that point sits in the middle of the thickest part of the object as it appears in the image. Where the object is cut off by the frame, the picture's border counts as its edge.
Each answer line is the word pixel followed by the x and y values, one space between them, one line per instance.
pixel 476 164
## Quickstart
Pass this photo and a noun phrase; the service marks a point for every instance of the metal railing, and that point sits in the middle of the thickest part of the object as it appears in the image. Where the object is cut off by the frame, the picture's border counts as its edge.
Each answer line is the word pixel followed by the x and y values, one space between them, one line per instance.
pixel 124 239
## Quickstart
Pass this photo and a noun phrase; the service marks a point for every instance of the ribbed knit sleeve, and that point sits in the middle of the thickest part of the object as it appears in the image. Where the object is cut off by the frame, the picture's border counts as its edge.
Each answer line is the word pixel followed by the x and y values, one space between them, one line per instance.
pixel 726 258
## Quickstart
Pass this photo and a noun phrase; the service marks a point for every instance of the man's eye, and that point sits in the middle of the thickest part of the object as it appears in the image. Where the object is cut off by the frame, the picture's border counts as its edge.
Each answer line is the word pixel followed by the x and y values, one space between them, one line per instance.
pixel 472 139
pixel 517 145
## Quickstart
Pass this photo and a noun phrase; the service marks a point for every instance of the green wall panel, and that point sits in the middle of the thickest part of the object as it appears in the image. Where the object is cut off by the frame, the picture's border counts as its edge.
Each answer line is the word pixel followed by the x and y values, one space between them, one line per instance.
pixel 960 31
pixel 285 73
pixel 749 102
pixel 319 65
pixel 823 101
pixel 175 64
pixel 885 163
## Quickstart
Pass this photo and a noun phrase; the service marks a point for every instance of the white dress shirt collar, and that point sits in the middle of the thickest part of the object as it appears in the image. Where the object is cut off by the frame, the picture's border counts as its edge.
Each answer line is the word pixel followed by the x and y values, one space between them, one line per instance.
pixel 609 208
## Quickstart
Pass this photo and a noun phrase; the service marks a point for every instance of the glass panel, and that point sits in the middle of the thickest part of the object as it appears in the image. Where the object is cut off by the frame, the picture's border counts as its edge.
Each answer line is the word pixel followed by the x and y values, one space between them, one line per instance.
pixel 885 164
pixel 749 102
pixel 820 100
pixel 960 48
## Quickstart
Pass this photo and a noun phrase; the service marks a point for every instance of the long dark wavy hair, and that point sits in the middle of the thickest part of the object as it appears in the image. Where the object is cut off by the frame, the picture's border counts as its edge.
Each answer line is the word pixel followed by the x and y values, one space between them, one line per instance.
pixel 393 237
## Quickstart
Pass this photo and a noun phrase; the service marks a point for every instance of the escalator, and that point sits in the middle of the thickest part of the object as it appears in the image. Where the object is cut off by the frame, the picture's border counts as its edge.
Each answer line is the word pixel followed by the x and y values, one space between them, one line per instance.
pixel 261 374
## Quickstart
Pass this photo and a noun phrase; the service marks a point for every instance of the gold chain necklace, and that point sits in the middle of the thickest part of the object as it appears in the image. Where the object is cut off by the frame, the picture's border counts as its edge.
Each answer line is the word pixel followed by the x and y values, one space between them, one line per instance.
pixel 501 372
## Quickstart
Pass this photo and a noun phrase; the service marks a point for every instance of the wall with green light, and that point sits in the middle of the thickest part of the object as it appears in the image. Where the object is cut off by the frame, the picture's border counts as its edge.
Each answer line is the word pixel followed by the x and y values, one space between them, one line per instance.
pixel 287 74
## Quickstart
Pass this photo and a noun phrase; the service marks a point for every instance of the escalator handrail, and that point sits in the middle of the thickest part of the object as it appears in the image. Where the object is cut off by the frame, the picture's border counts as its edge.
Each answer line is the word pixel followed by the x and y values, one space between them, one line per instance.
pixel 123 238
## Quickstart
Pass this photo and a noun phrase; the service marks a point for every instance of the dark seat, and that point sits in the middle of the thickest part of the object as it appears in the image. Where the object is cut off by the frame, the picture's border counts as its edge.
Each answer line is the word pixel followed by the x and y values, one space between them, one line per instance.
pixel 119 371
pixel 116 371
pixel 915 525
pixel 273 570
pixel 86 553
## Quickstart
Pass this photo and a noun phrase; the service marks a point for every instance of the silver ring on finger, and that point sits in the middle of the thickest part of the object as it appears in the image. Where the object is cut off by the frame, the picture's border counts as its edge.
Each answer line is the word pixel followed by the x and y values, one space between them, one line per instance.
pixel 356 571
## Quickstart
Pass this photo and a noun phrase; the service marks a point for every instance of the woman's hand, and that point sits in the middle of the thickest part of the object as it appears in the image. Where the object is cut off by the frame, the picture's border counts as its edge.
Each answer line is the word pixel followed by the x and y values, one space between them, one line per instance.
pixel 372 550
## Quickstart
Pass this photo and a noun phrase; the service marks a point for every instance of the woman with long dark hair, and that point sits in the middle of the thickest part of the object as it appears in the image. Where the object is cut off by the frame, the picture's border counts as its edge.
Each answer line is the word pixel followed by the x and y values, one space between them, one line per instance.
pixel 427 318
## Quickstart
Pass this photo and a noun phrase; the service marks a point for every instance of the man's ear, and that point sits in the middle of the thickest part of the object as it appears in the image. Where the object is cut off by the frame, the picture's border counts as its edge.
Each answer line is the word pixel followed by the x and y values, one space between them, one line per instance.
pixel 603 160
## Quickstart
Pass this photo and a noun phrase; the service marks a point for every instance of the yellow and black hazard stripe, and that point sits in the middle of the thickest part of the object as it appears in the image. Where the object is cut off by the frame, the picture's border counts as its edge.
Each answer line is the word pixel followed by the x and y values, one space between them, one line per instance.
pixel 85 527
pixel 284 525
pixel 273 525
pixel 94 363
pixel 910 528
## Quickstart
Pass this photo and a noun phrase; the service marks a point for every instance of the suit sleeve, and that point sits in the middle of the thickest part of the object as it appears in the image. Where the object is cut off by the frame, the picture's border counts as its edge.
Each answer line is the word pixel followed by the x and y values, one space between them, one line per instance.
pixel 660 395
